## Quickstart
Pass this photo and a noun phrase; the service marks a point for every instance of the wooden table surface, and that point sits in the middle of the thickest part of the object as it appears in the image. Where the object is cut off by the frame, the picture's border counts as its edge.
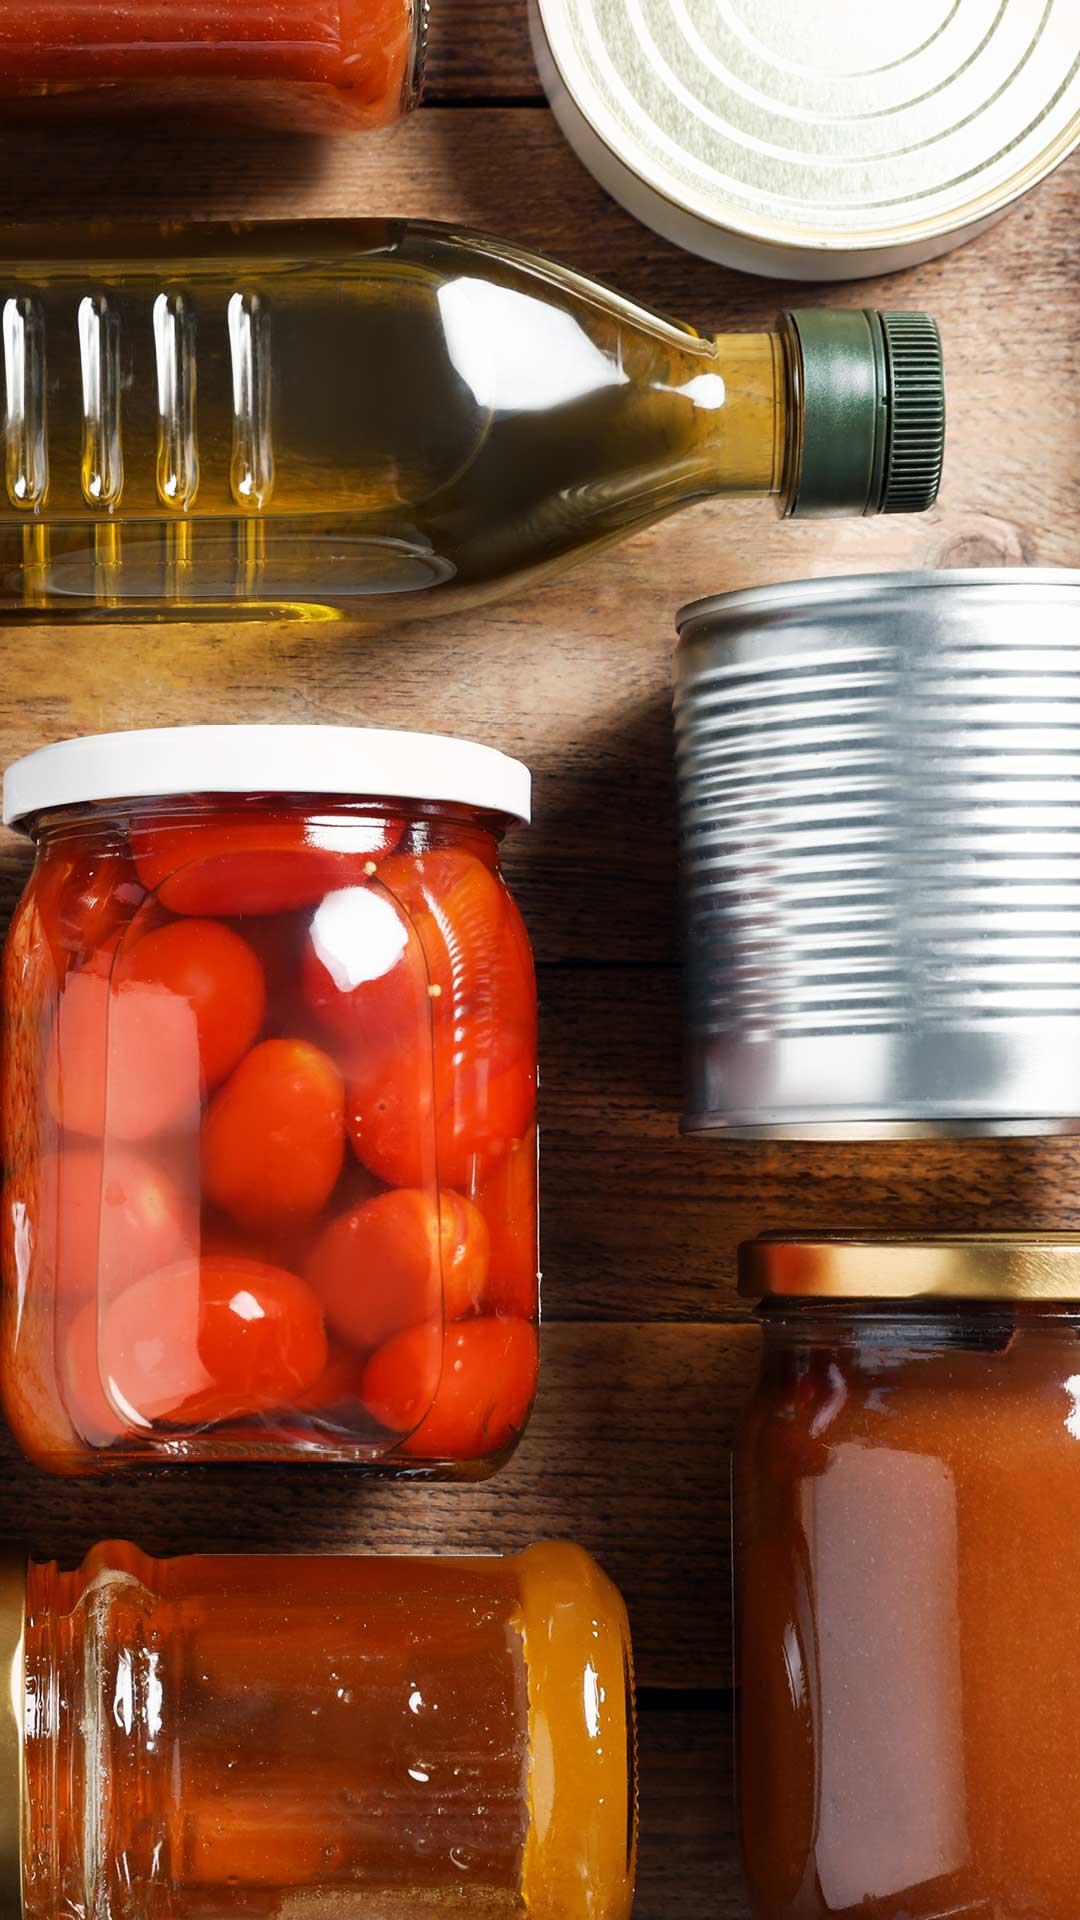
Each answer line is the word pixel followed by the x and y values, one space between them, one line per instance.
pixel 647 1351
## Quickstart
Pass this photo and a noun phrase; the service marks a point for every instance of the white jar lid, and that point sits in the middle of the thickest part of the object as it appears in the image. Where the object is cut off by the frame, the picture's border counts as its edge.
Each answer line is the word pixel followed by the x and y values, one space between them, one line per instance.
pixel 367 762
pixel 820 139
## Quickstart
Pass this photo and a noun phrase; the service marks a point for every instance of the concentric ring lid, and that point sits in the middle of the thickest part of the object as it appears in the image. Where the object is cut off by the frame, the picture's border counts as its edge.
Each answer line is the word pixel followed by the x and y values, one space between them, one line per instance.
pixel 824 138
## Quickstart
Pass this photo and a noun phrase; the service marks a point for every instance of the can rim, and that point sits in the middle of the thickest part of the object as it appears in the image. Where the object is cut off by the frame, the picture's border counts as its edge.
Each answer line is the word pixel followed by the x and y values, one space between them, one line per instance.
pixel 819 590
pixel 974 213
pixel 170 762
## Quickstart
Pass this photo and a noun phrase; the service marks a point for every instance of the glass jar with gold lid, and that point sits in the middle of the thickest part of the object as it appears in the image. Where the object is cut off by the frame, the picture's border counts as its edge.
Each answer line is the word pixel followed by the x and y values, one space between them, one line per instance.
pixel 907 1517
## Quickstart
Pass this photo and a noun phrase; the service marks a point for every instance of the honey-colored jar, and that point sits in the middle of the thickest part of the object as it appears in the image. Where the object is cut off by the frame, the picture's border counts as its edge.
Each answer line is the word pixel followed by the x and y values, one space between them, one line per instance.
pixel 359 1738
pixel 907 1502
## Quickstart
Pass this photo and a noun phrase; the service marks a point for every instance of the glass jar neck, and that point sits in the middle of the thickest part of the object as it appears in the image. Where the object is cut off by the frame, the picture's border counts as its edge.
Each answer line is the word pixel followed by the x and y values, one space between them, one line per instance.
pixel 742 415
pixel 810 1322
pixel 91 1720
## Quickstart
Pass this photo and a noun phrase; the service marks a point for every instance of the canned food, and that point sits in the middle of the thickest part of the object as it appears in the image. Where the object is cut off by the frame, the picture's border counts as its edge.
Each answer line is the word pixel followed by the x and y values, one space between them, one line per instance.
pixel 814 139
pixel 879 791
pixel 269 1104
pixel 906 1494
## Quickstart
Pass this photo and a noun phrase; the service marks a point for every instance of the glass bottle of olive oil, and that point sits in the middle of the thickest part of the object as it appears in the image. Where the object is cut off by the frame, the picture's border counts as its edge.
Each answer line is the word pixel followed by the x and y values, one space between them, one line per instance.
pixel 383 418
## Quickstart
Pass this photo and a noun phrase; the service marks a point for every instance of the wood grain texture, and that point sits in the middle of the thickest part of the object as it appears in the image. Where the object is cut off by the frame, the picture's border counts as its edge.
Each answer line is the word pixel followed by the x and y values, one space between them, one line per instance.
pixel 648 1355
pixel 687 1867
pixel 480 50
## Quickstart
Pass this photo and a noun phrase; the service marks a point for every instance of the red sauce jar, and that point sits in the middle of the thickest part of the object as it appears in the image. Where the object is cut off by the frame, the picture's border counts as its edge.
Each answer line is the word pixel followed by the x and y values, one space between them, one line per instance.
pixel 907 1508
pixel 300 64
pixel 269 1103
pixel 352 1737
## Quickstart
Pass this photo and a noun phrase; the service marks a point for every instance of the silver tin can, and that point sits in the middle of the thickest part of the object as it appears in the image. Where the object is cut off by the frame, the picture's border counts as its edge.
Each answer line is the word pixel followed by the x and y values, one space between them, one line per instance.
pixel 879 795
pixel 814 139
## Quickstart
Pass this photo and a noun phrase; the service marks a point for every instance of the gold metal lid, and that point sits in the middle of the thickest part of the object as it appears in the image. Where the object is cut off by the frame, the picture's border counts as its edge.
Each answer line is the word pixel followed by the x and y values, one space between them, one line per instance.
pixel 968 1266
pixel 12 1617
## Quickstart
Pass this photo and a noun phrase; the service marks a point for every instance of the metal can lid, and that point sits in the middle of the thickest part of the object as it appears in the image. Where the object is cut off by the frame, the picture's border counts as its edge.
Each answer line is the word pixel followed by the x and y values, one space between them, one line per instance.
pixel 962 1266
pixel 815 128
pixel 161 762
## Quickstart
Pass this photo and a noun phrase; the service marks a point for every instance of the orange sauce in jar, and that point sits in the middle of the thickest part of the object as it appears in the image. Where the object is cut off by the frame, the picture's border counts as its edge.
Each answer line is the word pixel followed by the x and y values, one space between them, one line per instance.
pixel 357 1737
pixel 907 1518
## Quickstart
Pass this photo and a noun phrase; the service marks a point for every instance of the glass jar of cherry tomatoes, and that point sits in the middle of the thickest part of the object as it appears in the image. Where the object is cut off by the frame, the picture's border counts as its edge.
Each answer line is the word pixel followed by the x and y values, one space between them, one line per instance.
pixel 269 1103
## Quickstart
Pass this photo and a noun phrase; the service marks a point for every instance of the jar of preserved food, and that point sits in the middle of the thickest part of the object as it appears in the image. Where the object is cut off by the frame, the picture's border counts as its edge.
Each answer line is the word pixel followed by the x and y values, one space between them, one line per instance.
pixel 269 1103
pixel 907 1496
pixel 353 1737
pixel 302 65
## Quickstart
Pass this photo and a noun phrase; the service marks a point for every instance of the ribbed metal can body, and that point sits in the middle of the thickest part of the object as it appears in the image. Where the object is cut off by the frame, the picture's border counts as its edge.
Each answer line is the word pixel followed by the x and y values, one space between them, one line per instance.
pixel 879 794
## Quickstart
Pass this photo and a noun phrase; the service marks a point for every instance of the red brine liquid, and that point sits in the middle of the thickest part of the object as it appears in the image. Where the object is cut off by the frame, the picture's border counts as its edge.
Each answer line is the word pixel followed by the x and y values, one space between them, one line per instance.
pixel 270 1142
pixel 350 61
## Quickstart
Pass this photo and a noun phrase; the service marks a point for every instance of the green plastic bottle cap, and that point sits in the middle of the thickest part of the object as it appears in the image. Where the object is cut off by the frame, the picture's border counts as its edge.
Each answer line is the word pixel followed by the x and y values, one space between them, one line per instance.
pixel 869 414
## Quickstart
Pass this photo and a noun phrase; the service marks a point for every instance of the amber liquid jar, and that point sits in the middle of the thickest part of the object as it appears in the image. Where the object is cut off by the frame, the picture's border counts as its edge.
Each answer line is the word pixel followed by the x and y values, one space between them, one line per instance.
pixel 907 1499
pixel 353 1738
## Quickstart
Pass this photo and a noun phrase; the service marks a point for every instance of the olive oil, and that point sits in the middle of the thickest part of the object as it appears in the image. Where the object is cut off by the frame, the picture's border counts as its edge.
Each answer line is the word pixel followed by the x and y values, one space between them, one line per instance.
pixel 371 418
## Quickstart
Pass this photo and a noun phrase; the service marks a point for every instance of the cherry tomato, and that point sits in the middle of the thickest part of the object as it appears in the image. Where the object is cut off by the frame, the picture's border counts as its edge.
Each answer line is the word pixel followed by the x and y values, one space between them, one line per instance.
pixel 106 1219
pixel 476 1120
pixel 389 1113
pixel 364 972
pixel 338 1384
pixel 476 954
pixel 273 1138
pixel 465 1072
pixel 401 1258
pixel 465 1398
pixel 84 898
pixel 216 972
pixel 508 1201
pixel 123 1057
pixel 211 1340
pixel 251 860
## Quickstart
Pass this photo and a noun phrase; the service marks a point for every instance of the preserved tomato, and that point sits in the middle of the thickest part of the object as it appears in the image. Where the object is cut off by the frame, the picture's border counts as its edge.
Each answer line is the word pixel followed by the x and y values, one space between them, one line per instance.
pixel 270 1118
pixel 459 1395
pixel 399 1259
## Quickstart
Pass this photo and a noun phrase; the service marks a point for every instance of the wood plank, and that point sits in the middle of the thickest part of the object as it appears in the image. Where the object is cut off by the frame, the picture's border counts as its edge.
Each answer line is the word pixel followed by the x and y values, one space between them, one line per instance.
pixel 478 50
pixel 627 1453
pixel 687 1866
